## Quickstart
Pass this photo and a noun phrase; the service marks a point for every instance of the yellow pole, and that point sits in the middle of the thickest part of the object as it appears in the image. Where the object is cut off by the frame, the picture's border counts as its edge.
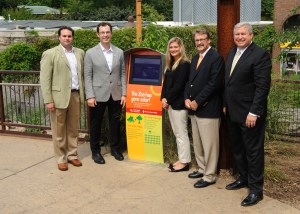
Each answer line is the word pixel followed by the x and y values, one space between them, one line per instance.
pixel 139 21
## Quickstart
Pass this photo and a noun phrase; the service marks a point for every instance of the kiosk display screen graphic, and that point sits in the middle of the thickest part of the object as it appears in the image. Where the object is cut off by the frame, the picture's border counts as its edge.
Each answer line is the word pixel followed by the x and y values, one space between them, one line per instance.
pixel 145 70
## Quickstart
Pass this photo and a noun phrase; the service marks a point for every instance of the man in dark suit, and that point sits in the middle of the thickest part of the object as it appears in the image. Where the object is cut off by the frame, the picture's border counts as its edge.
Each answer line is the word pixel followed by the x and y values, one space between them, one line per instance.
pixel 247 84
pixel 203 99
pixel 105 86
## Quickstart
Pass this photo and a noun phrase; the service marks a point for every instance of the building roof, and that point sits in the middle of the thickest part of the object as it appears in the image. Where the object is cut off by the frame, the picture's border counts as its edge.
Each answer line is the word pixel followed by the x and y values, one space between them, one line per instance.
pixel 55 24
pixel 40 10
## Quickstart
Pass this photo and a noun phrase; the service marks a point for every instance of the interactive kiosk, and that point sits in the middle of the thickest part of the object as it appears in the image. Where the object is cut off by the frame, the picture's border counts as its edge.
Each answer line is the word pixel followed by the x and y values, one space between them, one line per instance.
pixel 144 115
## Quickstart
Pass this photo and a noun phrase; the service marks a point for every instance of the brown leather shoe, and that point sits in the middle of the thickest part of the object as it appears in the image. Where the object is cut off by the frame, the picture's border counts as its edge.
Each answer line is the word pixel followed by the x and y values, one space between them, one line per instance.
pixel 75 162
pixel 63 166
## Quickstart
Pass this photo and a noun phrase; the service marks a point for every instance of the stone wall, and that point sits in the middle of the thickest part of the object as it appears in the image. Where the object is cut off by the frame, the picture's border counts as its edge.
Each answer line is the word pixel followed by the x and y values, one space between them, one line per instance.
pixel 8 37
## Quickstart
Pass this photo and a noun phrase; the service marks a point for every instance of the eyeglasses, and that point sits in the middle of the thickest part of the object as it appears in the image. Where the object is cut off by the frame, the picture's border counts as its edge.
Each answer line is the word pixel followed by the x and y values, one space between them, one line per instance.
pixel 200 40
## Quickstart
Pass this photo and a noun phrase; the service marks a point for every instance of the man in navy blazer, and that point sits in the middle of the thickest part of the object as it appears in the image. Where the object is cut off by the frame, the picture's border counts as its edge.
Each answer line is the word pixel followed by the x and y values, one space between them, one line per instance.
pixel 203 99
pixel 247 84
pixel 105 87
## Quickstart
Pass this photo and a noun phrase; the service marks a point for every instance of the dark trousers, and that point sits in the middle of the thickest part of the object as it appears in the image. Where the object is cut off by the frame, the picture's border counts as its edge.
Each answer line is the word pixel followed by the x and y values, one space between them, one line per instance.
pixel 96 117
pixel 248 152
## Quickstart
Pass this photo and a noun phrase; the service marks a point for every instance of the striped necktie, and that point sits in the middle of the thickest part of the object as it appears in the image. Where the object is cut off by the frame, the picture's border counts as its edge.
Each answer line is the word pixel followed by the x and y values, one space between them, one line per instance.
pixel 235 60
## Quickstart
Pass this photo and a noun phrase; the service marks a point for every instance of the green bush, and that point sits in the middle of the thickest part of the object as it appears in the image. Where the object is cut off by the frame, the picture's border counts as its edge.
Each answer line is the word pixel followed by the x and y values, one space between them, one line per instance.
pixel 19 56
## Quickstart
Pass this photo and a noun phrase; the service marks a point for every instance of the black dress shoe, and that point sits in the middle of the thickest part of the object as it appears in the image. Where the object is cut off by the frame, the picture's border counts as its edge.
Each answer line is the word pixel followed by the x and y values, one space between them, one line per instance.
pixel 98 158
pixel 185 168
pixel 238 184
pixel 195 174
pixel 202 183
pixel 118 155
pixel 252 199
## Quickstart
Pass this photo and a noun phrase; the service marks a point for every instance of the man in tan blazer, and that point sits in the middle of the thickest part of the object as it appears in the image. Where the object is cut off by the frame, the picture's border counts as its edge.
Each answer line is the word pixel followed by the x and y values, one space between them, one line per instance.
pixel 61 81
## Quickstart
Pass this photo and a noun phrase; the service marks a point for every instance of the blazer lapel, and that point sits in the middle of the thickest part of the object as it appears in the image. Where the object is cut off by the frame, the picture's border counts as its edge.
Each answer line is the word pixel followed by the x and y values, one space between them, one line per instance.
pixel 201 68
pixel 63 55
pixel 244 56
pixel 102 57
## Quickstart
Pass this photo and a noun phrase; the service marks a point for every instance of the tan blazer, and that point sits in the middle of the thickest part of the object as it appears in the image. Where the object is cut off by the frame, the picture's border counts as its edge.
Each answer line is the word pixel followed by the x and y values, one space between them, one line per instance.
pixel 55 76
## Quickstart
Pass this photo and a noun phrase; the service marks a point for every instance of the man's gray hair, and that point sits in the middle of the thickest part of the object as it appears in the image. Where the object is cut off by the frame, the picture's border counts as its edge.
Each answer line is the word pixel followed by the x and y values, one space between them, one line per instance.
pixel 243 24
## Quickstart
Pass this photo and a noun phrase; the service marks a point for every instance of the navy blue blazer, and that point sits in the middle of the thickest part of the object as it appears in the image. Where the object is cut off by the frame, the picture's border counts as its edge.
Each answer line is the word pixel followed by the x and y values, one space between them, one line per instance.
pixel 205 85
pixel 174 84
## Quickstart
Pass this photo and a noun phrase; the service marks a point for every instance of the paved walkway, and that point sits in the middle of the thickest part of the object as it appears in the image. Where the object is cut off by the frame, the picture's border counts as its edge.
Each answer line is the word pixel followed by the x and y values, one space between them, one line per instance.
pixel 31 183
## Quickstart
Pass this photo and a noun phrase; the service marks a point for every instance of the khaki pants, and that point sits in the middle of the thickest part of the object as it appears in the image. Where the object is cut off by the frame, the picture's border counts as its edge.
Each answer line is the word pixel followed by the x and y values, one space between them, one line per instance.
pixel 206 145
pixel 65 125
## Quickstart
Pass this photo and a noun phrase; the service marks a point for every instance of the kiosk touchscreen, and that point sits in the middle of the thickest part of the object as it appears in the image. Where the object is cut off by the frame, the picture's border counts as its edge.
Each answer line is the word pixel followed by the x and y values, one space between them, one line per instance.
pixel 143 105
pixel 145 70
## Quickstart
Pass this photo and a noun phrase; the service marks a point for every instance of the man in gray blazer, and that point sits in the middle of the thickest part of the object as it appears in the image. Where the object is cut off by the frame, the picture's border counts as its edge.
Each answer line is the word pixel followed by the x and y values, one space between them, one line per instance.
pixel 105 86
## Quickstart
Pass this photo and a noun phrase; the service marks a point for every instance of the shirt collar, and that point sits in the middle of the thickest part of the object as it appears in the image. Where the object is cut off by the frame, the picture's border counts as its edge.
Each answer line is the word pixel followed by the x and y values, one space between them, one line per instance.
pixel 242 50
pixel 103 49
pixel 65 50
pixel 205 52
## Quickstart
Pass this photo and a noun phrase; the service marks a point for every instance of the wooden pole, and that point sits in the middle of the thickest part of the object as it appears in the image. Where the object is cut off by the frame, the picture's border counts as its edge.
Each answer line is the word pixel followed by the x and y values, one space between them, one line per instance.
pixel 139 21
pixel 228 16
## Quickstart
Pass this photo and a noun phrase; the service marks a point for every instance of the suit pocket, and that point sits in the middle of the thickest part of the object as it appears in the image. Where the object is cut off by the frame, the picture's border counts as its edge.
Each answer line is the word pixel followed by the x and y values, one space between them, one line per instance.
pixel 55 88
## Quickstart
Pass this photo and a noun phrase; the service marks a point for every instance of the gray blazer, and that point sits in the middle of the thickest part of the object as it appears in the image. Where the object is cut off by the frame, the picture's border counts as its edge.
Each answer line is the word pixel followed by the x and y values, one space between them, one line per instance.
pixel 100 83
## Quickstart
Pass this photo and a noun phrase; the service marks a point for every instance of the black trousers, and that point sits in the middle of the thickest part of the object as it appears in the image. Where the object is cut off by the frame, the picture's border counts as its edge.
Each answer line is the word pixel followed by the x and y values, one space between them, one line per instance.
pixel 96 118
pixel 248 152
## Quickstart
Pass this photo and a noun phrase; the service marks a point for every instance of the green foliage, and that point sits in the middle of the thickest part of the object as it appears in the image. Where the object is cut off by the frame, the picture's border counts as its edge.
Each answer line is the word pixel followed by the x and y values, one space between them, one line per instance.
pixel 273 174
pixel 267 9
pixel 113 13
pixel 124 38
pixel 277 104
pixel 17 14
pixel 85 39
pixel 150 14
pixel 19 56
pixel 41 44
pixel 164 7
pixel 32 116
pixel 78 10
pixel 151 35
pixel 264 36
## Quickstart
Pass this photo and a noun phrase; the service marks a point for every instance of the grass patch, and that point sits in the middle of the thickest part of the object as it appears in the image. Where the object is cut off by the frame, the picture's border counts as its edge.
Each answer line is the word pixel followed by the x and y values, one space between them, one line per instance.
pixel 274 174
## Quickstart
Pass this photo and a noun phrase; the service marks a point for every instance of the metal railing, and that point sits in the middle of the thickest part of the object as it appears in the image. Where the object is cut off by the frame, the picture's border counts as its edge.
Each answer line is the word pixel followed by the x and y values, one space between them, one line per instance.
pixel 22 110
pixel 284 108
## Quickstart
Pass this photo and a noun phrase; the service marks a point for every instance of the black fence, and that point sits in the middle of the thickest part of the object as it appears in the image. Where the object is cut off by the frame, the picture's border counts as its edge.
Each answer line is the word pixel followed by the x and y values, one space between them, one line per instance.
pixel 22 110
pixel 284 109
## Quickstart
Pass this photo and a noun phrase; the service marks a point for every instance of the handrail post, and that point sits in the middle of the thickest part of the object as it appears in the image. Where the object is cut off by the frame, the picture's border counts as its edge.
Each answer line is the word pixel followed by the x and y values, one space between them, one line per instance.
pixel 2 115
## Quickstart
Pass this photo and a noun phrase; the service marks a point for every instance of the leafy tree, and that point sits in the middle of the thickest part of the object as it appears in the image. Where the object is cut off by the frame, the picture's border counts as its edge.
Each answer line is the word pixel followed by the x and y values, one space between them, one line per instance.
pixel 150 14
pixel 18 14
pixel 78 10
pixel 164 7
pixel 267 9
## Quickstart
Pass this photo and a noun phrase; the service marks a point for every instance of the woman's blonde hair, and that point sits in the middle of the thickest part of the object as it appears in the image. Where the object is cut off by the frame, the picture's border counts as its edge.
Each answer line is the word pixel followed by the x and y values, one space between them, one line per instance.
pixel 169 57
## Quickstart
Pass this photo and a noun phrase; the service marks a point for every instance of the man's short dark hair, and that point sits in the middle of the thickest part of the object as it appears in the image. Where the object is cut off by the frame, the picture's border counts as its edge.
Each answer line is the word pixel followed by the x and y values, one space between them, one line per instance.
pixel 65 28
pixel 103 24
pixel 202 31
